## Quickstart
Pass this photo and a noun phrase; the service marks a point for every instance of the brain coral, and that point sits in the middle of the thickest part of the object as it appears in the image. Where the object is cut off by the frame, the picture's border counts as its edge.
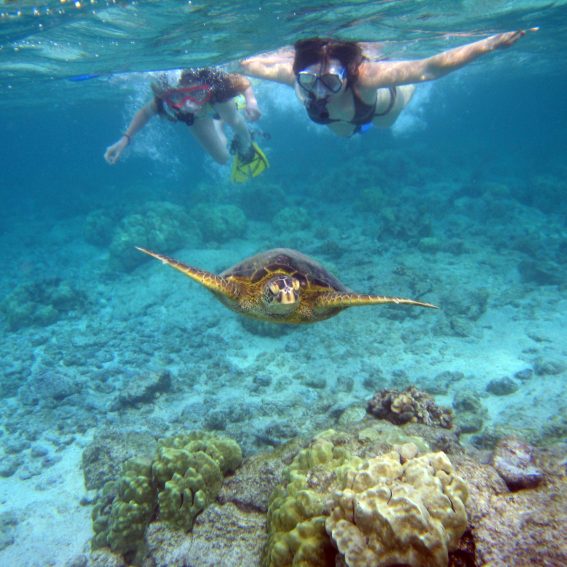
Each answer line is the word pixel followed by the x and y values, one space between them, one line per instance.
pixel 394 512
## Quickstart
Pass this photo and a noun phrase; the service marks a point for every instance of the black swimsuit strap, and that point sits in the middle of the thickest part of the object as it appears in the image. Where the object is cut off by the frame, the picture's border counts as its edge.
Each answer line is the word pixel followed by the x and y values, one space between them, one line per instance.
pixel 363 112
pixel 393 95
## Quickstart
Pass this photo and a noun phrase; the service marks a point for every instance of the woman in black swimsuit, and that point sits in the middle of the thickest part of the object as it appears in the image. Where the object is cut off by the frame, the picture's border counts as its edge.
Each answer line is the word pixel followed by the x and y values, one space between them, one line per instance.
pixel 344 90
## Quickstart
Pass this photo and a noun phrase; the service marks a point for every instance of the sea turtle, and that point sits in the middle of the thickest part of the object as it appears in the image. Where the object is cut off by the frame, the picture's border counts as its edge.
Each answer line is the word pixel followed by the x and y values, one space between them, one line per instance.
pixel 281 286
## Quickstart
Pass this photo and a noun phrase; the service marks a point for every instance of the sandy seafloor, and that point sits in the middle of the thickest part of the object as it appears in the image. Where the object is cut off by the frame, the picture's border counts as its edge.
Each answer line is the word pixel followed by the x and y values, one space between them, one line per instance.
pixel 484 249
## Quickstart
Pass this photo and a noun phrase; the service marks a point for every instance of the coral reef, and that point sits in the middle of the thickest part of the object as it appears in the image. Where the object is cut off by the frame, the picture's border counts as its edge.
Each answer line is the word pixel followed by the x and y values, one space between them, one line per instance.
pixel 8 523
pixel 124 509
pixel 334 488
pixel 222 536
pixel 265 329
pixel 409 406
pixel 371 199
pixel 365 507
pixel 261 201
pixel 161 226
pixel 185 476
pixel 220 223
pixel 523 527
pixel 49 388
pixel 99 226
pixel 291 219
pixel 296 514
pixel 460 310
pixel 40 303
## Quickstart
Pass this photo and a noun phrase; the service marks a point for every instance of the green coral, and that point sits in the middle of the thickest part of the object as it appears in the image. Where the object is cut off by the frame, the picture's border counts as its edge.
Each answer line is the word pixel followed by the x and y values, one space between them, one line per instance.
pixel 297 511
pixel 124 509
pixel 183 479
pixel 189 470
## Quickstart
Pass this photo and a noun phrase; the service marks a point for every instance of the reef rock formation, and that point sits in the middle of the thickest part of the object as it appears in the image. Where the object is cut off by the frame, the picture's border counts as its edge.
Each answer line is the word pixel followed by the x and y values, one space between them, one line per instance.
pixel 409 406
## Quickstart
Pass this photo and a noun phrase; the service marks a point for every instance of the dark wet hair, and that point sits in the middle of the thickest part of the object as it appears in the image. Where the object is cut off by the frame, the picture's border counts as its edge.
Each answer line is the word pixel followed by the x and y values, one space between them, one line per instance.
pixel 206 75
pixel 320 50
pixel 224 86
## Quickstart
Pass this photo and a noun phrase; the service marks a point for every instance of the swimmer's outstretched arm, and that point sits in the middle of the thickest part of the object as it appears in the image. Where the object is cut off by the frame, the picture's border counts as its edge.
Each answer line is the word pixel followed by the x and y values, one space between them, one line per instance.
pixel 140 119
pixel 274 66
pixel 389 73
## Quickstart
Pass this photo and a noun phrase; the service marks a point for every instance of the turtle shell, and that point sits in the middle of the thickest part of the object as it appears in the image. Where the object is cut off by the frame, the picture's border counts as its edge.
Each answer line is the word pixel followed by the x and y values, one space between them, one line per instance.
pixel 310 273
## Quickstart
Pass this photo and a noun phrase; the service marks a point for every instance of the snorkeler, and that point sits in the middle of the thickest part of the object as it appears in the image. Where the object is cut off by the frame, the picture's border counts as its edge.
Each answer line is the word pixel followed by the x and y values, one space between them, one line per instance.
pixel 204 100
pixel 343 89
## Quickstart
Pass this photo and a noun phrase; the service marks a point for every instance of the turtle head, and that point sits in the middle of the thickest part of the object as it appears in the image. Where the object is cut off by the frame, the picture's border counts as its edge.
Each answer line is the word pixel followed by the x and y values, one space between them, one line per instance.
pixel 281 294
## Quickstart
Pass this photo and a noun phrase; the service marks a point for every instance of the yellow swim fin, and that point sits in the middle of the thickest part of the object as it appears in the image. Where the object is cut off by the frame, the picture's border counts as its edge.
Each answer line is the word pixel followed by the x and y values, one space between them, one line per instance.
pixel 244 171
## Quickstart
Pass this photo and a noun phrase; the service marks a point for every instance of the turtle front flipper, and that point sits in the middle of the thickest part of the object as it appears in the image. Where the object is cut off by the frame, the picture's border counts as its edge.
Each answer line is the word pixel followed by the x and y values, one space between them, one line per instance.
pixel 344 300
pixel 214 283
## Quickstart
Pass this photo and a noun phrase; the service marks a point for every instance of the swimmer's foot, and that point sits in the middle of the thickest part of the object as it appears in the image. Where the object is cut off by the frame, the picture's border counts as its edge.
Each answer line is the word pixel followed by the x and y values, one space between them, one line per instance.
pixel 249 164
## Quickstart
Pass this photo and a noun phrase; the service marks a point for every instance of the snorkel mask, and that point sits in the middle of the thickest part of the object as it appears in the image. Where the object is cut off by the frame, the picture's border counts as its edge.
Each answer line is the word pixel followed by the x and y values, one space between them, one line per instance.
pixel 177 98
pixel 332 82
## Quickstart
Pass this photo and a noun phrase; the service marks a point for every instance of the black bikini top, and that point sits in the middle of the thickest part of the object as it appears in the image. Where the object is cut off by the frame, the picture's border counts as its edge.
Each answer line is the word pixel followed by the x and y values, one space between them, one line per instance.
pixel 173 114
pixel 363 112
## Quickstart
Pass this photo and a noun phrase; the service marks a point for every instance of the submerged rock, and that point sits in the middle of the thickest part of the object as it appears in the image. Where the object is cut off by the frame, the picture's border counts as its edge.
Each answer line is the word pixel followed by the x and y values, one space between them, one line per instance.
pixel 142 390
pixel 514 461
pixel 502 386
pixel 222 535
pixel 525 527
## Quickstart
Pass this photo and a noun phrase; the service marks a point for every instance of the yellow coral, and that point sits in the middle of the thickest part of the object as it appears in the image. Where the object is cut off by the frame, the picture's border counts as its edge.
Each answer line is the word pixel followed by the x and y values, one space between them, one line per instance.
pixel 393 512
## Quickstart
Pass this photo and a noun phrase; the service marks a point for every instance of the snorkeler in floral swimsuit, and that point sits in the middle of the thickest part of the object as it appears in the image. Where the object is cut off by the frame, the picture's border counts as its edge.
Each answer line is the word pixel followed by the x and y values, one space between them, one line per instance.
pixel 204 100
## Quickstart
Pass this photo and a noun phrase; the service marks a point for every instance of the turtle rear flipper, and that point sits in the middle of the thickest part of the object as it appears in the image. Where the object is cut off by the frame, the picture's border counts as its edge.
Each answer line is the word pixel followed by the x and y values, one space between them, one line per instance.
pixel 344 300
pixel 216 284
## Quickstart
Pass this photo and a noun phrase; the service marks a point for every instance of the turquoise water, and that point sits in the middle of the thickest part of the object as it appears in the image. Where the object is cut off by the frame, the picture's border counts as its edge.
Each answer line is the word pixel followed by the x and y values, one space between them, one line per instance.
pixel 461 203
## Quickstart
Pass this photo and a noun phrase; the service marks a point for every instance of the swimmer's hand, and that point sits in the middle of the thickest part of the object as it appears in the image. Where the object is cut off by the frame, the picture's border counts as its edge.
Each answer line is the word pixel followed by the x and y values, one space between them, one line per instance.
pixel 252 111
pixel 504 40
pixel 113 153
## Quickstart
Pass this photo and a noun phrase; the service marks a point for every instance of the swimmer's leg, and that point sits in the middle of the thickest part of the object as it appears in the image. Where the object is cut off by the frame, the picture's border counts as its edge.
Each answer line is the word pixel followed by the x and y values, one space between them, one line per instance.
pixel 209 133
